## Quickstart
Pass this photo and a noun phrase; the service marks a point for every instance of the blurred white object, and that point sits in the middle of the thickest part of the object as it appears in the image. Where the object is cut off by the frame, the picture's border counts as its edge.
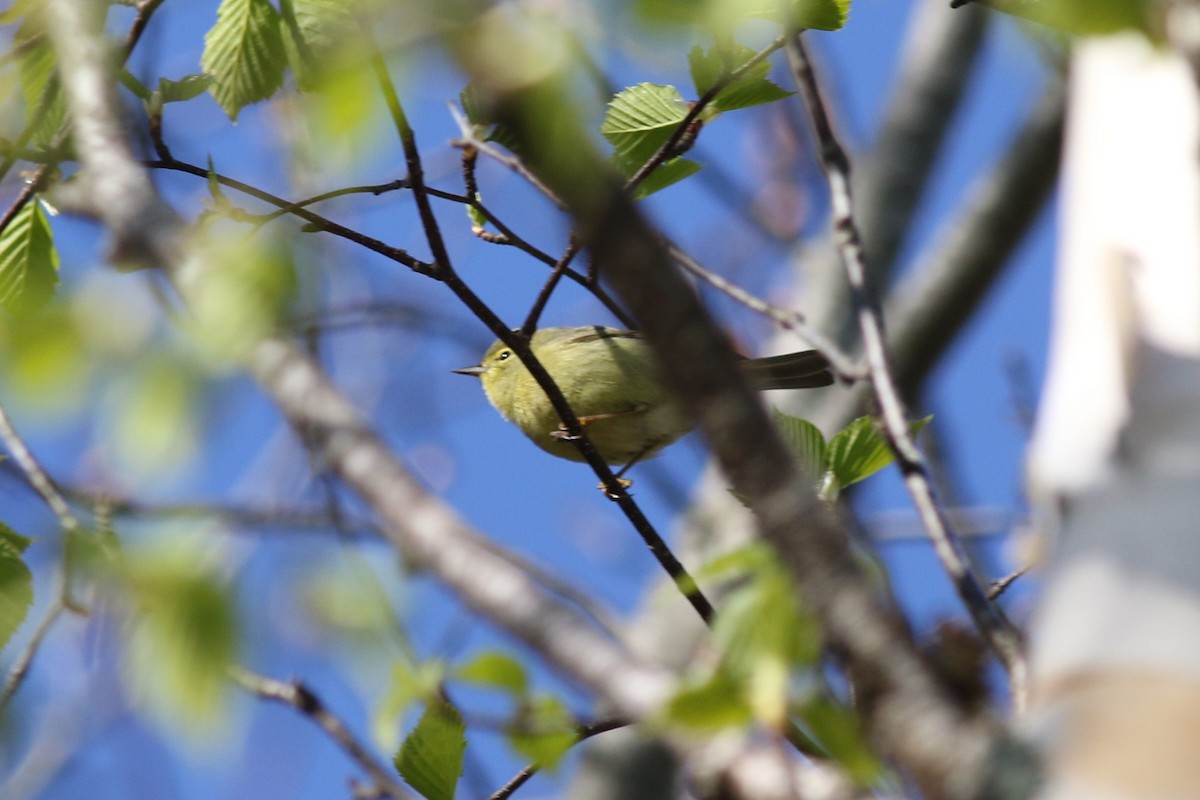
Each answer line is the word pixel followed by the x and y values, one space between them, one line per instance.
pixel 1115 646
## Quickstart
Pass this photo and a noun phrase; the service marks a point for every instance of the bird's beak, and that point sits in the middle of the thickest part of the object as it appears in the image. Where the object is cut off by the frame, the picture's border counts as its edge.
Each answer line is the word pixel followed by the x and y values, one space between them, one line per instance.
pixel 476 371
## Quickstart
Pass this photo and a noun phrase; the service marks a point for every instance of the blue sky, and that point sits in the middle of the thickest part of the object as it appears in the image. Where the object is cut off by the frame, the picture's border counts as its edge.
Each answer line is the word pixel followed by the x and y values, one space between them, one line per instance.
pixel 547 510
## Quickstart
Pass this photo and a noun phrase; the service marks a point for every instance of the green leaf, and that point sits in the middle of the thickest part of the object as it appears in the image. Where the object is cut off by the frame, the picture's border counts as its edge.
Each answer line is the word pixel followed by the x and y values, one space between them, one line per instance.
pixel 710 705
pixel 28 260
pixel 751 89
pixel 543 732
pixel 186 637
pixel 840 732
pixel 860 450
pixel 1084 17
pixel 640 120
pixel 248 286
pixel 16 583
pixel 431 757
pixel 243 52
pixel 821 15
pixel 765 633
pixel 315 31
pixel 805 441
pixel 186 88
pixel 497 670
pixel 410 683
pixel 45 105
pixel 130 82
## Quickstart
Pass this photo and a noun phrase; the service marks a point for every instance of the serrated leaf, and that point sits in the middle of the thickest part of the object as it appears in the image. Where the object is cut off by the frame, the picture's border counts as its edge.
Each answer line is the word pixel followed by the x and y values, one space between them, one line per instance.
pixel 16 583
pixel 244 53
pixel 431 757
pixel 751 89
pixel 186 88
pixel 543 732
pixel 28 260
pixel 860 450
pixel 45 104
pixel 497 670
pixel 640 119
pixel 806 442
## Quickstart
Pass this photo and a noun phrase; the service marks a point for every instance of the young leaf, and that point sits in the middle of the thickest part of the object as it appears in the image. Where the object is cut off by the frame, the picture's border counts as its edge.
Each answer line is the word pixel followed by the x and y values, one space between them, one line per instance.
pixel 410 683
pixel 751 89
pixel 186 637
pixel 544 732
pixel 313 31
pixel 840 733
pixel 860 450
pixel 806 443
pixel 706 707
pixel 821 15
pixel 28 260
pixel 16 583
pixel 431 757
pixel 185 88
pixel 497 670
pixel 243 52
pixel 45 105
pixel 640 119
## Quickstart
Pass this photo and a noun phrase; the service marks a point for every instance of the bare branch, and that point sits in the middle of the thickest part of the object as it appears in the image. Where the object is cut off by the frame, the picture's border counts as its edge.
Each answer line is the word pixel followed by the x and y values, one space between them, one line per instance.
pixel 1000 634
pixel 304 700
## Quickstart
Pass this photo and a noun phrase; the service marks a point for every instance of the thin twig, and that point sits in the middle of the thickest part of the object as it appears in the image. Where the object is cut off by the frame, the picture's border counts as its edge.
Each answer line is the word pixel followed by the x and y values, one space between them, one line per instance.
pixel 20 667
pixel 792 321
pixel 529 770
pixel 613 488
pixel 999 632
pixel 1000 585
pixel 37 476
pixel 672 146
pixel 300 697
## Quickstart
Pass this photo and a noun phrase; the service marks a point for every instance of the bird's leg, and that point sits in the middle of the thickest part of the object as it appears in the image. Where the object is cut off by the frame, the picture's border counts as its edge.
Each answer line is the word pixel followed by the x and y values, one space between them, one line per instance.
pixel 563 435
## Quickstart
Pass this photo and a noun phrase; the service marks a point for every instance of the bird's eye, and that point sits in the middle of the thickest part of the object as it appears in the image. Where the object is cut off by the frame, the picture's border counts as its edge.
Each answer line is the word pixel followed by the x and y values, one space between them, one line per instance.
pixel 504 354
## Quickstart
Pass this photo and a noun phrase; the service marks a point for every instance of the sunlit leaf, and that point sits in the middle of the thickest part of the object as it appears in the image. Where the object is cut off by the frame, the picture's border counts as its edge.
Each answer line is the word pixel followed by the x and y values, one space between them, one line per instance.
pixel 430 759
pixel 841 734
pixel 1084 17
pixel 543 732
pixel 639 121
pixel 314 31
pixel 410 683
pixel 45 105
pixel 152 414
pixel 28 260
pixel 246 287
pixel 186 88
pixel 185 638
pixel 16 583
pixel 495 669
pixel 750 89
pixel 860 450
pixel 243 52
pixel 44 360
pixel 711 705
pixel 805 441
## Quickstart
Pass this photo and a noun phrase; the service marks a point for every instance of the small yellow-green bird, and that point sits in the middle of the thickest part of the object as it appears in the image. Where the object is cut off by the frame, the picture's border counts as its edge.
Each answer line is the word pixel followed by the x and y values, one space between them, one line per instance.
pixel 610 380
